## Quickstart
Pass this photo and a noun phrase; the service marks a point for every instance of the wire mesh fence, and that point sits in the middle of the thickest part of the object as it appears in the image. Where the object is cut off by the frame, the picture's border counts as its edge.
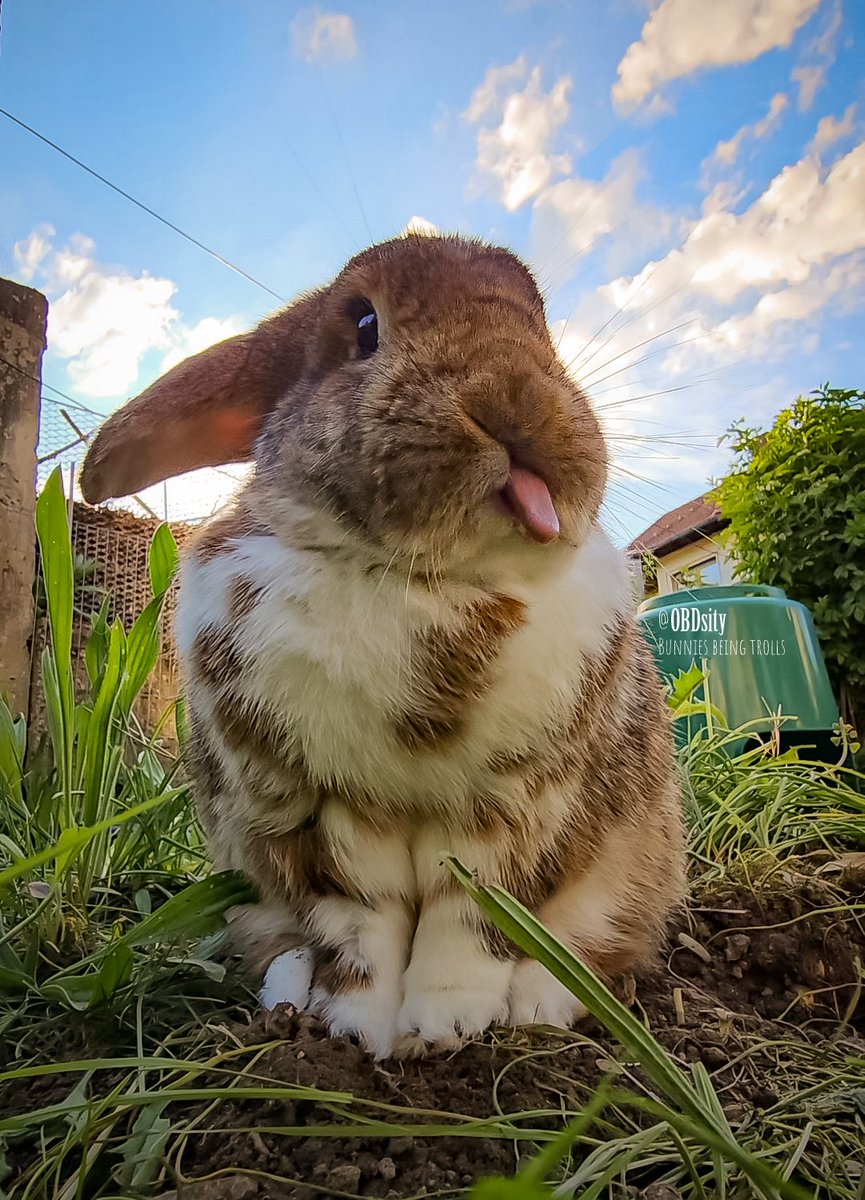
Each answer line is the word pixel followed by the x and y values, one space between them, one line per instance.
pixel 65 430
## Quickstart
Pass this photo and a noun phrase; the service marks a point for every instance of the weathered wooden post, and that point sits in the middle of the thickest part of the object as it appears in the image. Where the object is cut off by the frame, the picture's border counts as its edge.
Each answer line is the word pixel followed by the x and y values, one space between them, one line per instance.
pixel 23 318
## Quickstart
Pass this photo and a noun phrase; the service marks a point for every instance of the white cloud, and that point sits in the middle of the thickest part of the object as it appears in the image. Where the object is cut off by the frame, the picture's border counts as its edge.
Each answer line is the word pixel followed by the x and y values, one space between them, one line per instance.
pixel 421 225
pixel 818 56
pixel 810 80
pixel 489 95
pixel 725 194
pixel 727 152
pixel 683 36
pixel 758 331
pixel 323 38
pixel 514 155
pixel 207 332
pixel 831 130
pixel 801 221
pixel 768 123
pixel 104 320
pixel 105 323
pixel 30 252
pixel 576 216
pixel 660 349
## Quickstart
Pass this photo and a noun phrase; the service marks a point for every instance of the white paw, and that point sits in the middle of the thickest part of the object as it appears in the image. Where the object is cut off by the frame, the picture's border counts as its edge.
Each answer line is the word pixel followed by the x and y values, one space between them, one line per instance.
pixel 537 998
pixel 445 1017
pixel 288 979
pixel 368 1014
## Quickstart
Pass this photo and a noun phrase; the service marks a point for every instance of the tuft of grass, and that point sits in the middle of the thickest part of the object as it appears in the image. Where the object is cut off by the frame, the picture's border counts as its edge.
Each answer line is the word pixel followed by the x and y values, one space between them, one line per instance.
pixel 690 1111
pixel 100 853
pixel 744 799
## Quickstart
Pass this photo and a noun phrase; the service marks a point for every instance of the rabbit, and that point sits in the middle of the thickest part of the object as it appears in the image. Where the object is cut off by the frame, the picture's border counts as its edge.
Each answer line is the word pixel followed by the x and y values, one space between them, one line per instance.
pixel 409 636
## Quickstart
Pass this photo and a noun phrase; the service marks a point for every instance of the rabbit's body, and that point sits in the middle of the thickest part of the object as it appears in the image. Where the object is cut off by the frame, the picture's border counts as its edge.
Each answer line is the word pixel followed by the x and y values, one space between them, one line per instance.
pixel 375 684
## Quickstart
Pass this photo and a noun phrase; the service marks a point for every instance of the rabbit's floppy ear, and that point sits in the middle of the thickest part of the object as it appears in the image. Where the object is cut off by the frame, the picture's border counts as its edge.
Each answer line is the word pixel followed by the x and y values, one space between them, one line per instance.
pixel 206 411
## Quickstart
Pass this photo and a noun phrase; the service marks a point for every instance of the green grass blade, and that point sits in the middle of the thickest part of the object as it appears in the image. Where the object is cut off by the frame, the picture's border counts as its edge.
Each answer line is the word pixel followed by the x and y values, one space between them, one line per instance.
pixel 79 836
pixel 56 556
pixel 11 754
pixel 163 560
pixel 513 919
pixel 144 642
pixel 195 912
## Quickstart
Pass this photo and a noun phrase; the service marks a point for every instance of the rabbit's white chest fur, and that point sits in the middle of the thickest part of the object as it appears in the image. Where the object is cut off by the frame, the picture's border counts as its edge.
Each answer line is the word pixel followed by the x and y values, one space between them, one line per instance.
pixel 352 733
pixel 334 651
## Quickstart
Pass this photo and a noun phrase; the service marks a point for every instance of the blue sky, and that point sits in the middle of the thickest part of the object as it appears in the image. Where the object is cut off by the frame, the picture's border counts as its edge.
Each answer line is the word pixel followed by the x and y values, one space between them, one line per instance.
pixel 687 178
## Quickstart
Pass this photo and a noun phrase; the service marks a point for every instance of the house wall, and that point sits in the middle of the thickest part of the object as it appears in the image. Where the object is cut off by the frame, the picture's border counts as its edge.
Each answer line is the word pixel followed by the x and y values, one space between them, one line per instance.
pixel 689 557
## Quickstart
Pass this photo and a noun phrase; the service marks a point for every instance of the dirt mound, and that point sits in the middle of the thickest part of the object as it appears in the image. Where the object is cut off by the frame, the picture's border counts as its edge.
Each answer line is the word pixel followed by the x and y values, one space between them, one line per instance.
pixel 741 970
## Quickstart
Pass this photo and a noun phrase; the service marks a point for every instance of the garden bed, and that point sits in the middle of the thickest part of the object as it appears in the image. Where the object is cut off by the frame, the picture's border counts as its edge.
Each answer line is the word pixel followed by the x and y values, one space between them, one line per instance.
pixel 756 971
pixel 760 984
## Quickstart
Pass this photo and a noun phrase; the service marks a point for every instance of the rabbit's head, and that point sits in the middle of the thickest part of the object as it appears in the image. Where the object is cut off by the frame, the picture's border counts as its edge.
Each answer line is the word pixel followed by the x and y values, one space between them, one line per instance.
pixel 417 402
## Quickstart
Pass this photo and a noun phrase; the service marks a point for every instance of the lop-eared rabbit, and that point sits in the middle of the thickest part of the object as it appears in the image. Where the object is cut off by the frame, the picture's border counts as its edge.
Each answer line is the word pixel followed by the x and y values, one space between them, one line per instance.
pixel 409 636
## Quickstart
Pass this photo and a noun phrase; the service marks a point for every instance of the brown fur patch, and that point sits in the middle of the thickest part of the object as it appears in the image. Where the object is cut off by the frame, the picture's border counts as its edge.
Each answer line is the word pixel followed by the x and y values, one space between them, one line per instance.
pixel 216 657
pixel 217 536
pixel 300 864
pixel 612 753
pixel 497 944
pixel 337 976
pixel 254 730
pixel 209 780
pixel 452 671
pixel 243 596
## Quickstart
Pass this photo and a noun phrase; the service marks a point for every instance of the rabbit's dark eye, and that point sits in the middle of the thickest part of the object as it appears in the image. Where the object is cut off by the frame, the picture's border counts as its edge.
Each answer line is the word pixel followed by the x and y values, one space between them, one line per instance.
pixel 367 332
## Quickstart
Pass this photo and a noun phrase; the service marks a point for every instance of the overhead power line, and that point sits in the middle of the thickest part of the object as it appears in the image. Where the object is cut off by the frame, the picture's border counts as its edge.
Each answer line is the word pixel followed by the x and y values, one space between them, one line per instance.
pixel 35 378
pixel 144 207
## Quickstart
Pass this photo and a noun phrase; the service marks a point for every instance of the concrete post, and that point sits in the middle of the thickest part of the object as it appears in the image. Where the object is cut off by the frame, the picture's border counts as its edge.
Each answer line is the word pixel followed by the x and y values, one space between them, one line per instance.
pixel 23 318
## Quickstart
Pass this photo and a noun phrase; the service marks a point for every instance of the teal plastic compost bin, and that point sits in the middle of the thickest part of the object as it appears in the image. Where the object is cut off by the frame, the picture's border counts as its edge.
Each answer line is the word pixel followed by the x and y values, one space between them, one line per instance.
pixel 761 651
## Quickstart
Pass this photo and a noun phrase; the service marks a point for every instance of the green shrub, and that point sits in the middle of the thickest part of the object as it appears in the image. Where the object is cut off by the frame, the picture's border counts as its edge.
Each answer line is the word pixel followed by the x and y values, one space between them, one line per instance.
pixel 796 504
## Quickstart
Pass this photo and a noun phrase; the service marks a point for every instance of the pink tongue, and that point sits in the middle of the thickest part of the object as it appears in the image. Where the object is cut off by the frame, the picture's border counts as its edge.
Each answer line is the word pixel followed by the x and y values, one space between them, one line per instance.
pixel 530 499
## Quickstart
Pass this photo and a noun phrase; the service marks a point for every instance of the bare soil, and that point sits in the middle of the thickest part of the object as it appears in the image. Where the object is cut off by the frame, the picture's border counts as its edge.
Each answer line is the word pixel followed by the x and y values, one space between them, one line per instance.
pixel 741 970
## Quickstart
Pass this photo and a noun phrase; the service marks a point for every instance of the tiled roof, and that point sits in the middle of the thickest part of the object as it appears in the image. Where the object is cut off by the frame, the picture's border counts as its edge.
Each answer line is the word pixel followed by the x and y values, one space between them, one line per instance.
pixel 696 518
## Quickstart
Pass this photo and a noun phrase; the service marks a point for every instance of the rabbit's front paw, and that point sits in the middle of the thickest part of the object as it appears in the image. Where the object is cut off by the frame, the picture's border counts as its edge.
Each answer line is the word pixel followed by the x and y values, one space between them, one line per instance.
pixel 537 998
pixel 367 1013
pixel 443 1018
pixel 288 979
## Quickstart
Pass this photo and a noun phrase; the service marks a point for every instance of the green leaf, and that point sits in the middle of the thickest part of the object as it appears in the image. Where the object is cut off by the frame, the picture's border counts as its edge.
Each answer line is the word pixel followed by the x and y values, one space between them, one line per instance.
pixel 14 977
pixel 683 686
pixel 499 1188
pixel 142 651
pixel 67 847
pixel 96 649
pixel 515 920
pixel 56 556
pixel 59 690
pixel 78 992
pixel 72 838
pixel 163 560
pixel 115 969
pixel 11 753
pixel 195 912
pixel 143 1150
pixel 100 743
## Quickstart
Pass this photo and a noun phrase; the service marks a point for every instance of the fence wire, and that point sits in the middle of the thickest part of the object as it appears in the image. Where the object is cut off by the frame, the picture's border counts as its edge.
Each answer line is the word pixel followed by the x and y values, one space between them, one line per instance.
pixel 66 429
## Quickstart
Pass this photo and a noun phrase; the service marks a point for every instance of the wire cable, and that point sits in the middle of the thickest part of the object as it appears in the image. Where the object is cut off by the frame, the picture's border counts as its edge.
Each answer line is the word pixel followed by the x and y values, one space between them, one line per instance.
pixel 144 207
